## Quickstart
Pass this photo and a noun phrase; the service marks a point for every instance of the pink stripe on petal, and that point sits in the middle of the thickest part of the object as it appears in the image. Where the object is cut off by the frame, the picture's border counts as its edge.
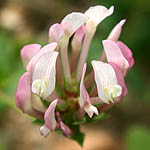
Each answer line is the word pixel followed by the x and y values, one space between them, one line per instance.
pixel 49 116
pixel 48 48
pixel 127 53
pixel 28 51
pixel 23 94
pixel 120 78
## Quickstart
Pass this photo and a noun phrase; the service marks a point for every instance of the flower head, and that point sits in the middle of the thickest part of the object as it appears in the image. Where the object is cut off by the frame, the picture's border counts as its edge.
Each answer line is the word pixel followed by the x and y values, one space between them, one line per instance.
pixel 56 90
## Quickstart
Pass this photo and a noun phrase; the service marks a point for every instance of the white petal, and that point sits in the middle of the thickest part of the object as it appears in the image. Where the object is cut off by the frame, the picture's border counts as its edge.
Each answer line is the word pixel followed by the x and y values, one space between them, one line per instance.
pixel 105 77
pixel 48 48
pixel 44 131
pixel 116 91
pixel 73 21
pixel 44 74
pixel 99 13
pixel 90 109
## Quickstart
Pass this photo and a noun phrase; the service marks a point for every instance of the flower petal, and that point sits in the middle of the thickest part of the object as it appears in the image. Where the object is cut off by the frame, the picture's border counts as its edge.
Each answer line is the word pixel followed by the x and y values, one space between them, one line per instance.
pixel 23 94
pixel 115 33
pixel 105 79
pixel 78 37
pixel 114 54
pixel 90 109
pixel 44 131
pixel 44 75
pixel 37 104
pixel 28 51
pixel 49 117
pixel 84 100
pixel 99 13
pixel 127 53
pixel 84 96
pixel 73 21
pixel 56 31
pixel 48 48
pixel 120 79
pixel 23 97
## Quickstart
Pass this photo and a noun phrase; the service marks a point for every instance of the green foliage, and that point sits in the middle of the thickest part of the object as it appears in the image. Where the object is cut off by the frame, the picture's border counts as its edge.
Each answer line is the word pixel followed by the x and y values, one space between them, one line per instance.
pixel 38 122
pixel 86 119
pixel 78 136
pixel 138 138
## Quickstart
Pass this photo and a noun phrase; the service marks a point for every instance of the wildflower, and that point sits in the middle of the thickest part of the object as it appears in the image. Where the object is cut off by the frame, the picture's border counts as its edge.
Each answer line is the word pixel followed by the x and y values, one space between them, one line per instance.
pixel 58 96
pixel 119 54
pixel 25 100
pixel 43 76
pixel 50 121
pixel 84 100
pixel 106 81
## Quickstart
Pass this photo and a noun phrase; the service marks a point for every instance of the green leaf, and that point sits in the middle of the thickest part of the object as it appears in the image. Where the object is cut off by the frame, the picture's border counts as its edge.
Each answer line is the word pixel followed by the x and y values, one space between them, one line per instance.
pixel 45 103
pixel 80 121
pixel 78 136
pixel 38 122
pixel 101 116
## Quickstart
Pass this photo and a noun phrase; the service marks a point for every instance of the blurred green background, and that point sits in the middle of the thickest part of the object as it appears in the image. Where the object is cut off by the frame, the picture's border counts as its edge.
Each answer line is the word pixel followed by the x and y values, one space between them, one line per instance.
pixel 24 22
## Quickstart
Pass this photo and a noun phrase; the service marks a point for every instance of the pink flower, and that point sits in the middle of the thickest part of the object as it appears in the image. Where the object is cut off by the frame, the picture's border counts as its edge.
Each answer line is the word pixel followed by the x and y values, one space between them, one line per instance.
pixel 50 121
pixel 119 54
pixel 25 100
pixel 84 100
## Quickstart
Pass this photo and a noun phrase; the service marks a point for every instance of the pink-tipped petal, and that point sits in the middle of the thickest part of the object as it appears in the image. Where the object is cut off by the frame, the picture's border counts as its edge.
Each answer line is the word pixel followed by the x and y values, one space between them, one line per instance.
pixel 23 94
pixel 49 117
pixel 84 100
pixel 99 13
pixel 56 31
pixel 127 53
pixel 114 54
pixel 73 21
pixel 78 37
pixel 44 75
pixel 115 33
pixel 48 48
pixel 120 79
pixel 28 51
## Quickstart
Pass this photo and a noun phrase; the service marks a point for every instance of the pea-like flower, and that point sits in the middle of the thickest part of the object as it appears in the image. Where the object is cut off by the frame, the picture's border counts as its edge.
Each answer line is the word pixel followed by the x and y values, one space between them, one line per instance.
pixel 56 89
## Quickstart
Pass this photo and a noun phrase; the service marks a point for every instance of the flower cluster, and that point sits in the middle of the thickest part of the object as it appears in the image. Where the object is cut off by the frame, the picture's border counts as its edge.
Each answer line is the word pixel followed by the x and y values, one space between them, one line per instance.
pixel 53 88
